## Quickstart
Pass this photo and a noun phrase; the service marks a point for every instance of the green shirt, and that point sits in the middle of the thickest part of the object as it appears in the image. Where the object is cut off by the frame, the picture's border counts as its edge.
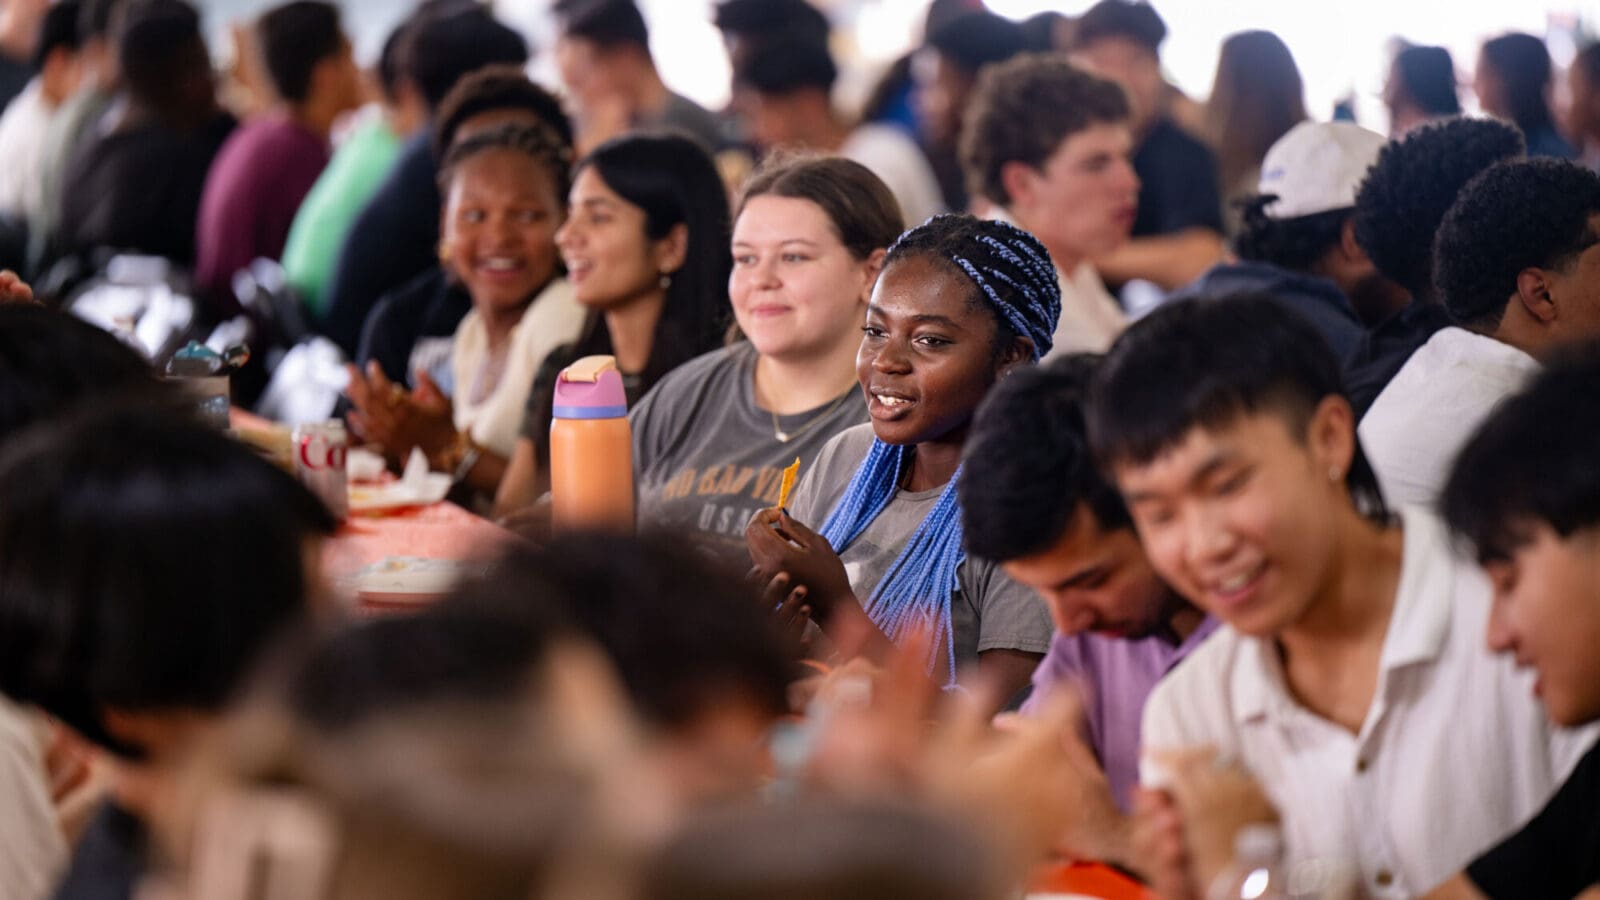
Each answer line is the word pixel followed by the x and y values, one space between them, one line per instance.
pixel 353 175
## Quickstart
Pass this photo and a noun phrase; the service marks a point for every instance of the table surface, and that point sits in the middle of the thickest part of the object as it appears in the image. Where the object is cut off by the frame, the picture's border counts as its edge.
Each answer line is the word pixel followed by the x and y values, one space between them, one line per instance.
pixel 446 531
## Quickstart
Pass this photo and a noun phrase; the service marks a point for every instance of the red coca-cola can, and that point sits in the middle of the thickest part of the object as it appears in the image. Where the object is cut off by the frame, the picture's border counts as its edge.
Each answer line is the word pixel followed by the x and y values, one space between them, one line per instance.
pixel 319 456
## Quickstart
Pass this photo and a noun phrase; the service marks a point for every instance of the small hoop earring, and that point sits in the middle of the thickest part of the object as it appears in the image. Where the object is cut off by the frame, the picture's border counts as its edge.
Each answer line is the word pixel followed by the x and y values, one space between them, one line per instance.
pixel 665 281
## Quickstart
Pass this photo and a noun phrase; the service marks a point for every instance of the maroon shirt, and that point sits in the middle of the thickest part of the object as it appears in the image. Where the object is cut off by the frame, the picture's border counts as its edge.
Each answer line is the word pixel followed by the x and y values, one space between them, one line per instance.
pixel 252 193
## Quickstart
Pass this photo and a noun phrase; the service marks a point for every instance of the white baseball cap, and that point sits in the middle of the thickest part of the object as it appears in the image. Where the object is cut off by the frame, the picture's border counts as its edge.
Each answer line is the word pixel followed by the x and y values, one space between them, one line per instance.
pixel 1317 167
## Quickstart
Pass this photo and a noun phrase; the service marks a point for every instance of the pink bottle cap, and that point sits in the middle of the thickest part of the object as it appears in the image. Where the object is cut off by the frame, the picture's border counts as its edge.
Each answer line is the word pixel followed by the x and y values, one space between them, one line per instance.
pixel 591 388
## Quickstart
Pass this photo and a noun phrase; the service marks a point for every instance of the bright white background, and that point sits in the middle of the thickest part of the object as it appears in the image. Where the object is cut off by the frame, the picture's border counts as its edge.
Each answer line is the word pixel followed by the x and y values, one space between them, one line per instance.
pixel 1342 46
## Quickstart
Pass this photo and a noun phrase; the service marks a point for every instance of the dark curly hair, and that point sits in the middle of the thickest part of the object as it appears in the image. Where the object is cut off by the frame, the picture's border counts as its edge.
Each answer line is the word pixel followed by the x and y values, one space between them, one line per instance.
pixel 1027 464
pixel 538 142
pixel 1515 215
pixel 494 88
pixel 1021 111
pixel 1294 244
pixel 1011 272
pixel 1411 186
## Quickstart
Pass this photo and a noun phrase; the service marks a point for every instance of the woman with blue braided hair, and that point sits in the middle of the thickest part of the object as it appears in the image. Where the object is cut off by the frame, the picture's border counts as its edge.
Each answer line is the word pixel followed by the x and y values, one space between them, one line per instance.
pixel 960 302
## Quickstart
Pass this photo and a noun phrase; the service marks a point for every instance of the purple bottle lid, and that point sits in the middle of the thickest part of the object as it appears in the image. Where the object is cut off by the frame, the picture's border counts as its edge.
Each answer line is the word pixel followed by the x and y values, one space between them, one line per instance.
pixel 591 388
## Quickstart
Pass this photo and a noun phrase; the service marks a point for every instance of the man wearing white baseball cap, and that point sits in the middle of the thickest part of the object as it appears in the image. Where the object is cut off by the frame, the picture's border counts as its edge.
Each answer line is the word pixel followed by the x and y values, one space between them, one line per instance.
pixel 1298 243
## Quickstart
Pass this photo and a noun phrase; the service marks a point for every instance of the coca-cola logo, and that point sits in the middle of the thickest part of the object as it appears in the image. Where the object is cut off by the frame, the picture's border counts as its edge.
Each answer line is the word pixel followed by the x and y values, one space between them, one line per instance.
pixel 319 454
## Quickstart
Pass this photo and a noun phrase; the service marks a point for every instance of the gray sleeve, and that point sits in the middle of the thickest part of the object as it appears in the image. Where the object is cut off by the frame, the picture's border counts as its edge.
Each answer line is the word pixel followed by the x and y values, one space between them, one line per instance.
pixel 1010 615
pixel 645 421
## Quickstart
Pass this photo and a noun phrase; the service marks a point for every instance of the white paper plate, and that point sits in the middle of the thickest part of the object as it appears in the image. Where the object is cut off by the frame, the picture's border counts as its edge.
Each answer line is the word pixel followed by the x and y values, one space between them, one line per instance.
pixel 407 580
pixel 398 494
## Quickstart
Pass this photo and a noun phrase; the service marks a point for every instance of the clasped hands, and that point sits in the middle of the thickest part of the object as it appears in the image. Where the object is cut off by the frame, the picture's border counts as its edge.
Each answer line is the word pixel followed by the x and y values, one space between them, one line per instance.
pixel 388 415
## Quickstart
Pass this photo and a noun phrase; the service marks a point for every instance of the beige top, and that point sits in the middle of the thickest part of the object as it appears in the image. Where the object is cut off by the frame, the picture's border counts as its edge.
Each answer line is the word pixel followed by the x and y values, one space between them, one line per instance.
pixel 1090 316
pixel 552 319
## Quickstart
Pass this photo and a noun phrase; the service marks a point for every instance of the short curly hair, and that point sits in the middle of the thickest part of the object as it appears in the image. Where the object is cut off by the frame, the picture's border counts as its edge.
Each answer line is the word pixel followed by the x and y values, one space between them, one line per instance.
pixel 1514 215
pixel 1411 186
pixel 1021 111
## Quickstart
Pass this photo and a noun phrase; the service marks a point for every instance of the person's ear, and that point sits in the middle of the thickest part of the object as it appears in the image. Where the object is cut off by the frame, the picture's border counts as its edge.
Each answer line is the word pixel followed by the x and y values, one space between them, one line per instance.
pixel 1533 293
pixel 1020 181
pixel 673 249
pixel 870 270
pixel 1331 437
pixel 1020 352
pixel 1349 248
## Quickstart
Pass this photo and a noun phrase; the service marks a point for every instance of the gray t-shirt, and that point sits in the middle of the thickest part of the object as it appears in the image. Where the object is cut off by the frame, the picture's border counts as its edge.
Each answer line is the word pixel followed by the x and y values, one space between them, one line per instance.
pixel 705 456
pixel 989 612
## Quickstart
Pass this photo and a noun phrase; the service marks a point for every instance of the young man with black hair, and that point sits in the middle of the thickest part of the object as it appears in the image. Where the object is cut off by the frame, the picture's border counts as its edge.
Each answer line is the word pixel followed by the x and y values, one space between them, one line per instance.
pixel 783 95
pixel 1398 210
pixel 1033 501
pixel 1524 498
pixel 146 566
pixel 1048 145
pixel 750 26
pixel 1524 495
pixel 946 71
pixel 1177 233
pixel 27 119
pixel 1350 672
pixel 603 52
pixel 1517 266
pixel 74 123
pixel 1298 243
pixel 395 236
pixel 365 155
pixel 269 164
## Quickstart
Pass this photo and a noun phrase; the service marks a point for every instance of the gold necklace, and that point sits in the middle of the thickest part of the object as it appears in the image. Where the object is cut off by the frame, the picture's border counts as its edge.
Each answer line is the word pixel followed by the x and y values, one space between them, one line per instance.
pixel 785 437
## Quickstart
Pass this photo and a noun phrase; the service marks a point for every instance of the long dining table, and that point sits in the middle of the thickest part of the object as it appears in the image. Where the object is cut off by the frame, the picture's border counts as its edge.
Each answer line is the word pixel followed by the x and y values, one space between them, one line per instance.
pixel 444 530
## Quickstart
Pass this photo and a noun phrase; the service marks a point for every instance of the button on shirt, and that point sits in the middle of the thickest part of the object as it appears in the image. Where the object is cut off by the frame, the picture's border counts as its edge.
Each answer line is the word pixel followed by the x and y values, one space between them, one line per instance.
pixel 1115 677
pixel 1435 402
pixel 1454 752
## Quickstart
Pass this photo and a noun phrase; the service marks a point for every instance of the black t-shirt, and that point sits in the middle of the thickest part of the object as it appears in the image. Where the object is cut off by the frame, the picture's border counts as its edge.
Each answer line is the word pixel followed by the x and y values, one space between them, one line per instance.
pixel 1177 183
pixel 1557 854
pixel 1385 348
pixel 394 239
pixel 110 858
pixel 429 306
pixel 138 189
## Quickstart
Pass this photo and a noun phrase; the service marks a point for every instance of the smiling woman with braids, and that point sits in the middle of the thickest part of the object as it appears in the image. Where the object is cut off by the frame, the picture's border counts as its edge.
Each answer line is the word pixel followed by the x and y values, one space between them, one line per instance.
pixel 961 301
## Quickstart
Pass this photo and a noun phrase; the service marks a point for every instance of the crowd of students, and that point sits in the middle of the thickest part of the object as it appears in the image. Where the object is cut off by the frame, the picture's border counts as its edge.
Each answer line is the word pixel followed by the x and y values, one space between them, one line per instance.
pixel 1167 469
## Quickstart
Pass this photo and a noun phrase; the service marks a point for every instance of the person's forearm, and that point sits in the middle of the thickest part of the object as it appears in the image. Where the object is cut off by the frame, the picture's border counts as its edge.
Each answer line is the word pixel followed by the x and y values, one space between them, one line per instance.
pixel 1169 260
pixel 1459 887
pixel 518 485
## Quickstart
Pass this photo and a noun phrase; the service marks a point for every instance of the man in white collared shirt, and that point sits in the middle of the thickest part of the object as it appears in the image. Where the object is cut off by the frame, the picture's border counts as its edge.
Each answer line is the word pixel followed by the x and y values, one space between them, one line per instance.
pixel 1348 680
pixel 1517 264
pixel 1049 146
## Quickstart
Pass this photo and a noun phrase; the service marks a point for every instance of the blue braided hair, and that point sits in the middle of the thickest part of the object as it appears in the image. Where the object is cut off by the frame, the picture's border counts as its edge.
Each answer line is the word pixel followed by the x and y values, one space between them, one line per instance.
pixel 1015 276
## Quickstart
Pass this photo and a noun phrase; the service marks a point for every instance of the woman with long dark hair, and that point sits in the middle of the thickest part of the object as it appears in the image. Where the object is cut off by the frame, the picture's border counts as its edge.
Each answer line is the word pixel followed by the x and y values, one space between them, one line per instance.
pixel 646 249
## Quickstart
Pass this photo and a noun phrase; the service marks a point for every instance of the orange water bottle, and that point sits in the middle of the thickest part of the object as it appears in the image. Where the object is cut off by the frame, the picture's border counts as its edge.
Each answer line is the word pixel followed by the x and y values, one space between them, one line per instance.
pixel 591 449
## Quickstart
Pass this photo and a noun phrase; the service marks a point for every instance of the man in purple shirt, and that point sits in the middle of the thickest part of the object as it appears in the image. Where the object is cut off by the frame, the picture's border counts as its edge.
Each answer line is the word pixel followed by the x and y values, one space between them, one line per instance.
pixel 1033 501
pixel 266 168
